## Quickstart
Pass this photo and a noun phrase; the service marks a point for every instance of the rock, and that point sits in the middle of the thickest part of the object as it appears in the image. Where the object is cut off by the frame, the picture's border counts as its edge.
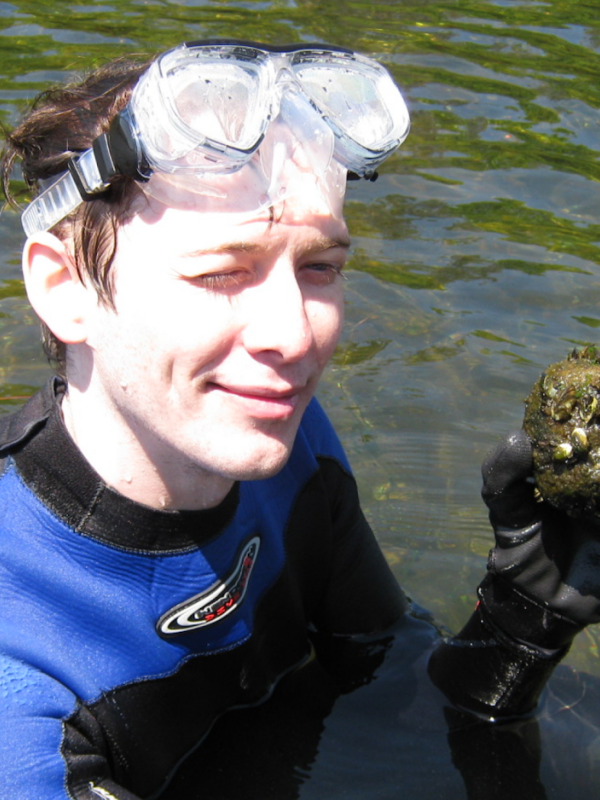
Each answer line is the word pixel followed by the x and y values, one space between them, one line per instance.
pixel 562 418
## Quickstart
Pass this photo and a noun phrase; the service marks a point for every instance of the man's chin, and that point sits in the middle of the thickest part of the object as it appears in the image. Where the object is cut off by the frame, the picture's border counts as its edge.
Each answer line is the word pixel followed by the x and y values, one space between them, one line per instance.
pixel 262 470
pixel 263 464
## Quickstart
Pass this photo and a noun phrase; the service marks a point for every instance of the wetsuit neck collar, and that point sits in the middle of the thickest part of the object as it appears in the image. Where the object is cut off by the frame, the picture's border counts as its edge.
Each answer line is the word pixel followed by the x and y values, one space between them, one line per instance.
pixel 53 467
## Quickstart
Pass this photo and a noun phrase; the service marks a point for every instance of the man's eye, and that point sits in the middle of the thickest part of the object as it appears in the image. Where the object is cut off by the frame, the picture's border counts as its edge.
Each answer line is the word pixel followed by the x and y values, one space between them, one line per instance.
pixel 323 274
pixel 221 280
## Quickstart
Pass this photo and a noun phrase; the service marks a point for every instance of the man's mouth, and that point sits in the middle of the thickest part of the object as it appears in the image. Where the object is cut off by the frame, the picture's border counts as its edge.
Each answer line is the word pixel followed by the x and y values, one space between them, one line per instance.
pixel 262 401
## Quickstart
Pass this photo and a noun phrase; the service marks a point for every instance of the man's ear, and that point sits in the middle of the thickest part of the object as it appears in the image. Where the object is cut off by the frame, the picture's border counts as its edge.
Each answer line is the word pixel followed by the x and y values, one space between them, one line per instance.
pixel 54 288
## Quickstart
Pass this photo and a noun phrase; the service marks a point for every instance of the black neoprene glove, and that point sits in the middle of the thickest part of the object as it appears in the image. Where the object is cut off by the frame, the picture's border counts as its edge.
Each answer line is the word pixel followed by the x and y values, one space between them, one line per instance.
pixel 544 560
pixel 542 588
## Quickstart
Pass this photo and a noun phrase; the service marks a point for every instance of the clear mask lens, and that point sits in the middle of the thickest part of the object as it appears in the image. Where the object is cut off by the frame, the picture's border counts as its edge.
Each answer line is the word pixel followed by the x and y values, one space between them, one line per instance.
pixel 361 104
pixel 212 118
pixel 221 106
pixel 350 100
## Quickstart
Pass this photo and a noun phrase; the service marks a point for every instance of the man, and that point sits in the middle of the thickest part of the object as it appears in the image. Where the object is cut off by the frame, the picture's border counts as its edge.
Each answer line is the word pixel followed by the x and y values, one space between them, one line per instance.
pixel 180 527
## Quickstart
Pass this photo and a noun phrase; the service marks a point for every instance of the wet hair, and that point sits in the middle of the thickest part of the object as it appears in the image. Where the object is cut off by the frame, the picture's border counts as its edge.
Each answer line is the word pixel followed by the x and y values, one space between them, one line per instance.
pixel 63 122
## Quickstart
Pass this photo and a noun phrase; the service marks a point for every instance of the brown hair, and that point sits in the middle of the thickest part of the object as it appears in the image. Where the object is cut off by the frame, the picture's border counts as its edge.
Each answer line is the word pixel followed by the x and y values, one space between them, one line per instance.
pixel 63 122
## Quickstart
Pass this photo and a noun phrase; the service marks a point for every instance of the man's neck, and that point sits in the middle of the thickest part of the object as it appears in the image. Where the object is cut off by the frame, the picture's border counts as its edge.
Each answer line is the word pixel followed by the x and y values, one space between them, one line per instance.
pixel 118 456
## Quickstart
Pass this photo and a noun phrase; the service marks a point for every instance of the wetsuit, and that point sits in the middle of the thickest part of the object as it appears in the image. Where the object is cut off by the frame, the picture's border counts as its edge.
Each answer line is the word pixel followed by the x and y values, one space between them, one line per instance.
pixel 125 632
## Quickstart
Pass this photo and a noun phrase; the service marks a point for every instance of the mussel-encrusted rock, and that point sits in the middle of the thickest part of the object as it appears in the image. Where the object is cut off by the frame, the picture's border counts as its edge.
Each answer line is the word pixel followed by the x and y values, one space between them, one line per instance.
pixel 562 418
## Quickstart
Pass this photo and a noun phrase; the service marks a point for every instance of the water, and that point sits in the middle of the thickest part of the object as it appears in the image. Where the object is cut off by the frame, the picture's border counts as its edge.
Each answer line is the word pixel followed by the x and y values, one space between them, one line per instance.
pixel 475 263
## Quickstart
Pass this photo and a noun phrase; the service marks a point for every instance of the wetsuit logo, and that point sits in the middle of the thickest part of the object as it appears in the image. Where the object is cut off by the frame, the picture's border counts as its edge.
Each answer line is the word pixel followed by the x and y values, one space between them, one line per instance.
pixel 215 603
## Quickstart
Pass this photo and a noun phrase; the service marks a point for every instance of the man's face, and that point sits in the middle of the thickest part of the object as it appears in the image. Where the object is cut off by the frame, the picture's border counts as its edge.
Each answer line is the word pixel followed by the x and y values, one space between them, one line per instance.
pixel 221 331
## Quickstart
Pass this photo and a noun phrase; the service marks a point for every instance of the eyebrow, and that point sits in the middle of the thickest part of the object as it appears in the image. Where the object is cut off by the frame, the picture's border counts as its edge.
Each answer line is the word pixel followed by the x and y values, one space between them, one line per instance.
pixel 319 246
pixel 326 243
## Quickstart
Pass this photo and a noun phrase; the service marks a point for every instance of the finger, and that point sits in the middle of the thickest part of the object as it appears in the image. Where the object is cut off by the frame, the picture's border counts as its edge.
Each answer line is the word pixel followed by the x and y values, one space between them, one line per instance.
pixel 511 461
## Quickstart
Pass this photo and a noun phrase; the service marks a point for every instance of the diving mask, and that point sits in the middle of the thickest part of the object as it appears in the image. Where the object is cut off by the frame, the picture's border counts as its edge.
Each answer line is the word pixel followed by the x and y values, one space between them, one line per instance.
pixel 203 111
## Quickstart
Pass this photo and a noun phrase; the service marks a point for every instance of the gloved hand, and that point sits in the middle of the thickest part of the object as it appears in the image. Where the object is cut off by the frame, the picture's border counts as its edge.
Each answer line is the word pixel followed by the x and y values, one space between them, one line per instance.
pixel 542 587
pixel 543 583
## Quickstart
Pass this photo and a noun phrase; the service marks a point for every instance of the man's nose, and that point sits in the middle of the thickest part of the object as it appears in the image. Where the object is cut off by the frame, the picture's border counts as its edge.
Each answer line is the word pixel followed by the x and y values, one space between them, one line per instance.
pixel 276 319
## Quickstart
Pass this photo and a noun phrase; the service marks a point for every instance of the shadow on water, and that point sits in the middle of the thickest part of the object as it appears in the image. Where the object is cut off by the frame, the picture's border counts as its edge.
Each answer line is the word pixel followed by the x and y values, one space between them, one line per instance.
pixel 475 264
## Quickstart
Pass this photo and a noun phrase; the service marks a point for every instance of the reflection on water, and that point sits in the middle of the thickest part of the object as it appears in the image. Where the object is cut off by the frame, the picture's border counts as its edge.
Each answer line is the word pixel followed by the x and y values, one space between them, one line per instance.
pixel 475 254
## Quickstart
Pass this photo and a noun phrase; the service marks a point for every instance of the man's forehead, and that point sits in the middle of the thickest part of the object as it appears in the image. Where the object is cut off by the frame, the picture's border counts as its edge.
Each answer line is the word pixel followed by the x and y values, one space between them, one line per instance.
pixel 187 232
pixel 316 244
